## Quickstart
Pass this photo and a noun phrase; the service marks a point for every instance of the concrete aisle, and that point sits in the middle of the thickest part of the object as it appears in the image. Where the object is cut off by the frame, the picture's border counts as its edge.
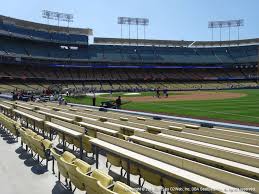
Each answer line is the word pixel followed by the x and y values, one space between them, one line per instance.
pixel 20 174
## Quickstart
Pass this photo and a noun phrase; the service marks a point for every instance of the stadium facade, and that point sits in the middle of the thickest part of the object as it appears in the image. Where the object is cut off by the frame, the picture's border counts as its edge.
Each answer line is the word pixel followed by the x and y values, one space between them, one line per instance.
pixel 37 56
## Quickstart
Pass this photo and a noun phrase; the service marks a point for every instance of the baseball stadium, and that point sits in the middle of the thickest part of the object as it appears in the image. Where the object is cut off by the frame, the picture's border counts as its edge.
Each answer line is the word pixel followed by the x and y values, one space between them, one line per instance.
pixel 85 112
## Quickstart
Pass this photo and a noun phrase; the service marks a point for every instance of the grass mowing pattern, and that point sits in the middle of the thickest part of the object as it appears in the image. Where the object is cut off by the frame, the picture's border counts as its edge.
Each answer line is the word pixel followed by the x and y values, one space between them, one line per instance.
pixel 244 109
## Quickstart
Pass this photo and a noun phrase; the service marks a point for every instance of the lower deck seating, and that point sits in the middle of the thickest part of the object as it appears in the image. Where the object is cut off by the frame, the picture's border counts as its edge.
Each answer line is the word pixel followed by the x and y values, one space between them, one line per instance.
pixel 79 174
pixel 9 125
pixel 169 155
pixel 37 144
pixel 148 167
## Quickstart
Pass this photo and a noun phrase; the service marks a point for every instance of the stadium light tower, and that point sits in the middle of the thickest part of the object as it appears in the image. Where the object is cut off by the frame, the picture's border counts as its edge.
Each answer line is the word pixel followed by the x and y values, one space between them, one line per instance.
pixel 226 24
pixel 133 21
pixel 51 15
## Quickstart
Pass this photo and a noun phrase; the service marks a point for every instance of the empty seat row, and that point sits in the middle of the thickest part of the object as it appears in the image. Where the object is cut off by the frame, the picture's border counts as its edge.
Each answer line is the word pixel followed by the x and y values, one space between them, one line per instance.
pixel 79 174
pixel 9 125
pixel 36 144
pixel 140 161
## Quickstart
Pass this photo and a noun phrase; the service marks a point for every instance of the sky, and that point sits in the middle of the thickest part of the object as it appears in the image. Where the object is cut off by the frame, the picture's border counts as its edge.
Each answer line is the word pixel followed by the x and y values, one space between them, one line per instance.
pixel 169 19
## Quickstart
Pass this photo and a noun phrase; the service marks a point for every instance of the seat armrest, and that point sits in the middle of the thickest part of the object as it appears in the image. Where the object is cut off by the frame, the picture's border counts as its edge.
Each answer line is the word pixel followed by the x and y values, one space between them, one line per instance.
pixel 110 186
pixel 89 173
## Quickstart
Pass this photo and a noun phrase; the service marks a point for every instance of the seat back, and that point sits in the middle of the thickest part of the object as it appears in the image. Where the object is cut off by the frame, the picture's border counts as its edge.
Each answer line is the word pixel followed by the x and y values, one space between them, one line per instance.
pixel 22 134
pixel 114 160
pixel 38 137
pixel 151 177
pixel 61 165
pixel 68 157
pixel 103 189
pixel 104 178
pixel 86 144
pixel 34 144
pixel 43 147
pixel 82 165
pixel 32 113
pixel 47 144
pixel 73 176
pixel 167 183
pixel 29 134
pixel 133 167
pixel 68 125
pixel 9 124
pixel 91 133
pixel 90 182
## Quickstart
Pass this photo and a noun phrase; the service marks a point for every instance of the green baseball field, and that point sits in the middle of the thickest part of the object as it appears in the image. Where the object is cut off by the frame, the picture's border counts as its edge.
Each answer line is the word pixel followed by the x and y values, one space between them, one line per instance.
pixel 236 106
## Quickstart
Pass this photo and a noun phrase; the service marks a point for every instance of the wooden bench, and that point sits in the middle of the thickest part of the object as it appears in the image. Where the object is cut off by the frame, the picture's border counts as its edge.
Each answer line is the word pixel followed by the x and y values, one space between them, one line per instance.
pixel 73 109
pixel 79 117
pixel 37 120
pixel 216 141
pixel 124 119
pixel 32 113
pixel 192 126
pixel 103 119
pixel 153 129
pixel 39 106
pixel 153 141
pixel 233 132
pixel 88 110
pixel 56 115
pixel 68 107
pixel 175 128
pixel 63 129
pixel 67 130
pixel 188 171
pixel 141 118
pixel 6 109
pixel 243 157
pixel 68 125
pixel 109 117
pixel 238 137
pixel 92 129
pixel 102 124
pixel 9 102
pixel 128 123
pixel 125 129
pixel 27 107
pixel 81 114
